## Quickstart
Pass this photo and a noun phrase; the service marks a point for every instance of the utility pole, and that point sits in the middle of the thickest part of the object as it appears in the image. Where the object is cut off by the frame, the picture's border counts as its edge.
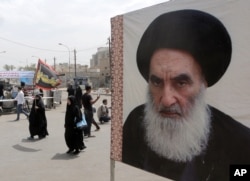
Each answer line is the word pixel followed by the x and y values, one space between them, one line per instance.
pixel 55 63
pixel 69 55
pixel 75 60
pixel 109 43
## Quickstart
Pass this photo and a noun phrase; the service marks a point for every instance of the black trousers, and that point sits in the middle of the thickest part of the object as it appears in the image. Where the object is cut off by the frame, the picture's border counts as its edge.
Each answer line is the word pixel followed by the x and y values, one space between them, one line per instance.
pixel 89 119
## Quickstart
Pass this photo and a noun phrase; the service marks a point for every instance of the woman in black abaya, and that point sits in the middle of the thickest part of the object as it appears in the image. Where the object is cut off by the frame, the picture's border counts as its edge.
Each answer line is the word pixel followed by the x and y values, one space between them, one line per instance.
pixel 37 119
pixel 73 136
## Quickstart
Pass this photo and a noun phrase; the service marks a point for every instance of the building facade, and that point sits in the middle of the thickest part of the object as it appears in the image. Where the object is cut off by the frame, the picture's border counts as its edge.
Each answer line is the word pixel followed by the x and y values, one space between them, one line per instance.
pixel 100 64
pixel 98 72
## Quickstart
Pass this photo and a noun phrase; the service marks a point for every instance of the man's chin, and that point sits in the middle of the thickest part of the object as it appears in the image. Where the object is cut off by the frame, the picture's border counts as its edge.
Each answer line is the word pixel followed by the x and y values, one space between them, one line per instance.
pixel 174 137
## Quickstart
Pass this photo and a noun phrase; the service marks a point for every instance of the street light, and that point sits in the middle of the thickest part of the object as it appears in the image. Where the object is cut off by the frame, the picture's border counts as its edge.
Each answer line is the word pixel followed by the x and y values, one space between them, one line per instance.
pixel 36 57
pixel 69 54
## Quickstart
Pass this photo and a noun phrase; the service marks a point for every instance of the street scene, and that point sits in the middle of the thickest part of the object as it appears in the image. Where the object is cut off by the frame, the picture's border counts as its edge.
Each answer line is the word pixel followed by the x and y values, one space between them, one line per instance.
pixel 154 90
pixel 46 159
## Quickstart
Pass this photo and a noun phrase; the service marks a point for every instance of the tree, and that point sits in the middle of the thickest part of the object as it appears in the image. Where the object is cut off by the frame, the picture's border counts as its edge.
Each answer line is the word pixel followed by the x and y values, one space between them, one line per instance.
pixel 9 67
pixel 31 67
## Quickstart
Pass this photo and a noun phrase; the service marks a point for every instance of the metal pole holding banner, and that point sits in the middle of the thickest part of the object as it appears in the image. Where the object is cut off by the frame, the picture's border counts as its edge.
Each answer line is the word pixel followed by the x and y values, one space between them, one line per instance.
pixel 112 170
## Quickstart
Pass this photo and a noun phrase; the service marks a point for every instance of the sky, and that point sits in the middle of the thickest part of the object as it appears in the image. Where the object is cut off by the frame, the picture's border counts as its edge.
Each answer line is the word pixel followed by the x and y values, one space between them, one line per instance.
pixel 32 29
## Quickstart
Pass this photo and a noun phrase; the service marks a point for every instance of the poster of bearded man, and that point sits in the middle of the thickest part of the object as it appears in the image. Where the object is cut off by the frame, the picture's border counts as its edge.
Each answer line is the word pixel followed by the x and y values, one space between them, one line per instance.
pixel 180 100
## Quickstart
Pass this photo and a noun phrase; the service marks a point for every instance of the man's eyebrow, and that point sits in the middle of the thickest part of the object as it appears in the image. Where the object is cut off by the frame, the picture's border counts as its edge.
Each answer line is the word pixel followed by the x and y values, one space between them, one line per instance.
pixel 154 77
pixel 183 77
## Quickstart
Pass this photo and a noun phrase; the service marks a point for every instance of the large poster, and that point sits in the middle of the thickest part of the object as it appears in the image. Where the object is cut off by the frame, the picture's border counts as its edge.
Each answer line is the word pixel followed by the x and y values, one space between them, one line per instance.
pixel 180 100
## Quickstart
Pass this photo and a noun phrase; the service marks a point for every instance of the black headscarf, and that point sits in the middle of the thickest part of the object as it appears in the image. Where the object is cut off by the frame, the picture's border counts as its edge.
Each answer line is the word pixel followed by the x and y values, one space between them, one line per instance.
pixel 38 102
pixel 71 107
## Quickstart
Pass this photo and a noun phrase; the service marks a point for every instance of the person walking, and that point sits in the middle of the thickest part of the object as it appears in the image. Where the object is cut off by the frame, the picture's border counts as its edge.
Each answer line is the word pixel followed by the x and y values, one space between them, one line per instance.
pixel 78 96
pixel 37 119
pixel 70 90
pixel 73 136
pixel 93 121
pixel 87 102
pixel 1 97
pixel 20 101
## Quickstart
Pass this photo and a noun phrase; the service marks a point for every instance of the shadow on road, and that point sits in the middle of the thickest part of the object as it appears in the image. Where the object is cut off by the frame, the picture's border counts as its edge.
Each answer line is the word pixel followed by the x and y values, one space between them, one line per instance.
pixel 64 156
pixel 25 149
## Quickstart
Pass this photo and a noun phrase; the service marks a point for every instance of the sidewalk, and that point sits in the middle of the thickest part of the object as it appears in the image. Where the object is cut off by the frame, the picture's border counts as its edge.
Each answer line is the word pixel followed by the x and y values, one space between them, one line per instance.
pixel 46 160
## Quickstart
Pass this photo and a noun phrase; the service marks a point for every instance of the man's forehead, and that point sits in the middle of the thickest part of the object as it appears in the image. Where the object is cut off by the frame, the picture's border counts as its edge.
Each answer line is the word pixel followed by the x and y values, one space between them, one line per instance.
pixel 174 61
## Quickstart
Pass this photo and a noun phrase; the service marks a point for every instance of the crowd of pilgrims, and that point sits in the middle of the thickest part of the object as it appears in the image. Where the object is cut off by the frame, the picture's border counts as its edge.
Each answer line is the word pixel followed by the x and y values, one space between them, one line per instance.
pixel 74 137
pixel 75 102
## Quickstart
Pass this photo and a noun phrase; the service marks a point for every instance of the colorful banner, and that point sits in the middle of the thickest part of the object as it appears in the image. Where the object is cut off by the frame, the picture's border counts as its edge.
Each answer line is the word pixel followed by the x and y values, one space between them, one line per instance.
pixel 46 77
pixel 17 74
pixel 27 81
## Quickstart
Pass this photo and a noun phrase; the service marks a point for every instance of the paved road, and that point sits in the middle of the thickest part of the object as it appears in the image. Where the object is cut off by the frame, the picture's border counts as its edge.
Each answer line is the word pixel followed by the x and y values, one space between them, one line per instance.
pixel 46 160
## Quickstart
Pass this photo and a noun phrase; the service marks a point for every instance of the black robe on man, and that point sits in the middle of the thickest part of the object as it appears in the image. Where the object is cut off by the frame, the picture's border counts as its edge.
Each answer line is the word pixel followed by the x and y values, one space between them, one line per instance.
pixel 229 143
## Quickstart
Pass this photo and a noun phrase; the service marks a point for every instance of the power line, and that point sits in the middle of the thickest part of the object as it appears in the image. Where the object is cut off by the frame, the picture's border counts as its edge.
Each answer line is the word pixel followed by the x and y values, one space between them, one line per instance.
pixel 29 46
pixel 44 49
pixel 82 50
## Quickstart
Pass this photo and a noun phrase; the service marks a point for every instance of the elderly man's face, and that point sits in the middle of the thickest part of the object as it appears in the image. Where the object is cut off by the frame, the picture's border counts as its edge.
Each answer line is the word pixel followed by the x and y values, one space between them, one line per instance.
pixel 174 81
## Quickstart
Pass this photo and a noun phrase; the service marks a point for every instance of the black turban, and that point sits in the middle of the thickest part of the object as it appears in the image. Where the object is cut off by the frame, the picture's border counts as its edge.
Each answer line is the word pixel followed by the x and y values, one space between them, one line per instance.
pixel 193 31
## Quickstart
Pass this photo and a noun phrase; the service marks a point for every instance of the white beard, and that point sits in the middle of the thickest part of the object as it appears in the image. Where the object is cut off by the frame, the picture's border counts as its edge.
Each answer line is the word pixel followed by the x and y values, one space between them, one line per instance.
pixel 178 139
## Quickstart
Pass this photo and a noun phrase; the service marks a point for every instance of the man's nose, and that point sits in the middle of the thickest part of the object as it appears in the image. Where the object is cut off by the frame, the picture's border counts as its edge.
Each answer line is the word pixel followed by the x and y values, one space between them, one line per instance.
pixel 168 97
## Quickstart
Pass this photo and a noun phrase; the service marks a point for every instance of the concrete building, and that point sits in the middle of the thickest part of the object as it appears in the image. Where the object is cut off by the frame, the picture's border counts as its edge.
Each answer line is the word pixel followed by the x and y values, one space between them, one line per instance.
pixel 100 64
pixel 98 72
